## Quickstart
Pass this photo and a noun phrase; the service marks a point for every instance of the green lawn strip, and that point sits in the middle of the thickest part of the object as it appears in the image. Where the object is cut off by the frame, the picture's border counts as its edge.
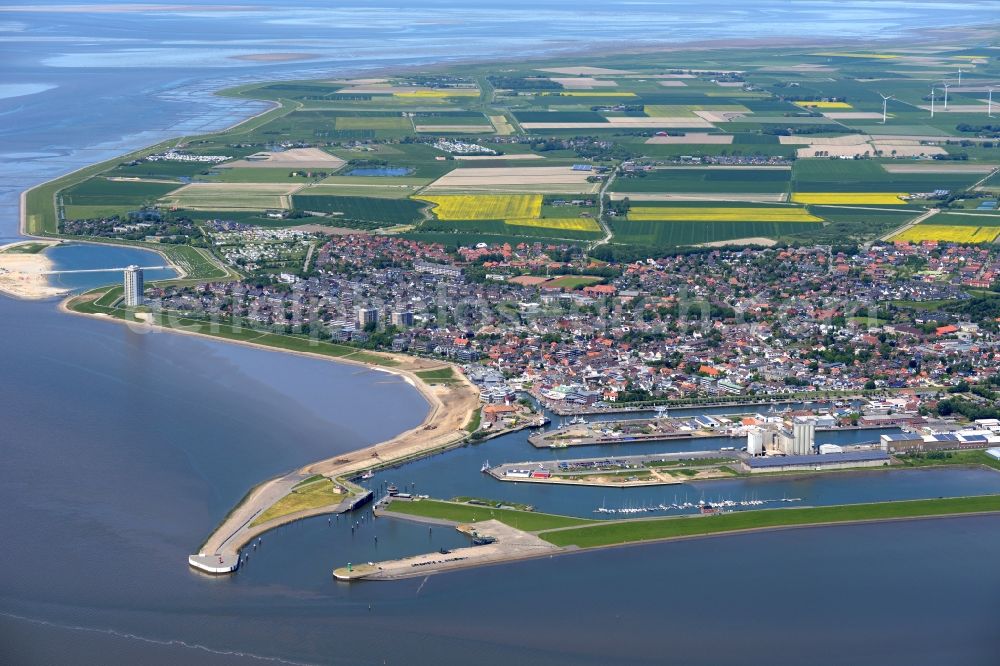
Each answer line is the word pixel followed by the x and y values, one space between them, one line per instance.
pixel 936 458
pixel 628 531
pixel 103 305
pixel 467 513
pixel 694 462
pixel 474 421
pixel 305 482
pixel 491 503
pixel 26 248
pixel 373 359
pixel 439 376
pixel 311 495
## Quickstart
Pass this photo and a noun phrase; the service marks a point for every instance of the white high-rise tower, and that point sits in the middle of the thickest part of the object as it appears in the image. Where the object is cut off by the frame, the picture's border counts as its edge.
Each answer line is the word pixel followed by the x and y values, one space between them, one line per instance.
pixel 133 286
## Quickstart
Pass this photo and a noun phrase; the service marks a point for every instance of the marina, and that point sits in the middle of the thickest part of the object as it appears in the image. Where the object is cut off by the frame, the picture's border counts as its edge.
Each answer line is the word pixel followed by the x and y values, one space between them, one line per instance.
pixel 701 506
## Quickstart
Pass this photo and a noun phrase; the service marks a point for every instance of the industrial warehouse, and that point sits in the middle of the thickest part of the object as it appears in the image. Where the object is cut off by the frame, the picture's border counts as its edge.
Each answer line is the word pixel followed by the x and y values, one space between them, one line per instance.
pixel 798 463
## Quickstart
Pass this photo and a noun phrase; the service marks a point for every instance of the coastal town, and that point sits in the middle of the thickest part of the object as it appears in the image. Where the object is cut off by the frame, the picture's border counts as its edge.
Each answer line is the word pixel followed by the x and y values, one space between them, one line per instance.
pixel 582 335
pixel 696 277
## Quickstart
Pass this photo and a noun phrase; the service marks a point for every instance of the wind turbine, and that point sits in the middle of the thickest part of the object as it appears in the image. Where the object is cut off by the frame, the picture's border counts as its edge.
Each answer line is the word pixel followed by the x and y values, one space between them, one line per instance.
pixel 946 86
pixel 959 76
pixel 989 103
pixel 885 105
pixel 932 101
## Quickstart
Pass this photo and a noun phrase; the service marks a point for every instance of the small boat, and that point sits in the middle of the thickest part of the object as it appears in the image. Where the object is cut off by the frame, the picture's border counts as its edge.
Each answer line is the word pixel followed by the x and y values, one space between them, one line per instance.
pixel 368 475
pixel 483 540
pixel 485 468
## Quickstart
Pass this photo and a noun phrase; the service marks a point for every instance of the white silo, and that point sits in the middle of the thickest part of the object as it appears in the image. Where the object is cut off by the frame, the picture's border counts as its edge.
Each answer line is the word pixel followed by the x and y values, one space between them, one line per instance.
pixel 804 436
pixel 755 441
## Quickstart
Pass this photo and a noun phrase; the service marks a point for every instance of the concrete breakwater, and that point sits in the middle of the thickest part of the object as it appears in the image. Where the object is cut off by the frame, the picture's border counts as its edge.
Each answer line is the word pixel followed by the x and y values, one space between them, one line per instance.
pixel 504 544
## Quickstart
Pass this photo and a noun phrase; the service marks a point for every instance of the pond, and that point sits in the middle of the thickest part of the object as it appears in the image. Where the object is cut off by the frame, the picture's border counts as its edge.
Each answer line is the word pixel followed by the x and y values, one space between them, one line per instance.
pixel 380 171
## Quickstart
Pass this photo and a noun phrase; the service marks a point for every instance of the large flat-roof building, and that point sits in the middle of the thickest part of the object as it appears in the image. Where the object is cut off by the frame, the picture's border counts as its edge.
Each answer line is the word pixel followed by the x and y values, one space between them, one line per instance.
pixel 962 439
pixel 816 462
pixel 133 283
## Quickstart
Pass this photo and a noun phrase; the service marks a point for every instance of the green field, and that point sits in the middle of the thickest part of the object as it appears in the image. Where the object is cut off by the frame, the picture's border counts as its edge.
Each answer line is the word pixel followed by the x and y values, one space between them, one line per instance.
pixel 77 212
pixel 102 192
pixel 492 230
pixel 573 281
pixel 659 233
pixel 263 175
pixel 707 181
pixel 967 219
pixel 440 376
pixel 559 117
pixel 385 212
pixel 823 175
pixel 379 123
pixel 631 531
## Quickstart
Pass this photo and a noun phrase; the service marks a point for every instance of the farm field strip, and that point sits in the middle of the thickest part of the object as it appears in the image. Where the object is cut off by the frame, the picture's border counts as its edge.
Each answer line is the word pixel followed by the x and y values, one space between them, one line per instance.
pixel 824 105
pixel 523 176
pixel 722 214
pixel 451 92
pixel 562 223
pixel 949 233
pixel 682 110
pixel 476 129
pixel 621 122
pixel 293 158
pixel 588 93
pixel 882 198
pixel 945 167
pixel 485 206
pixel 517 188
pixel 692 138
pixel 232 196
pixel 733 197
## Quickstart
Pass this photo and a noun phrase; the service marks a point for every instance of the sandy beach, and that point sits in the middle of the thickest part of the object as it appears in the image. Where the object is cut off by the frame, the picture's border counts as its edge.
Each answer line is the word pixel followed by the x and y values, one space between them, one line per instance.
pixel 21 274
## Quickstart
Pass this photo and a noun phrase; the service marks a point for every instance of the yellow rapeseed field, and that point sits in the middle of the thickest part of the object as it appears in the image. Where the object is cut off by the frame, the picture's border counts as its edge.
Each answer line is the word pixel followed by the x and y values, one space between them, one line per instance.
pixel 485 206
pixel 824 105
pixel 882 198
pixel 563 223
pixel 948 232
pixel 721 214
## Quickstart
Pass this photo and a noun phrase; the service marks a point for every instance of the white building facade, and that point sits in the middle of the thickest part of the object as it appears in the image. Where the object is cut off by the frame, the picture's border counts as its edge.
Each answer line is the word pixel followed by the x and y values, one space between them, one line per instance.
pixel 133 283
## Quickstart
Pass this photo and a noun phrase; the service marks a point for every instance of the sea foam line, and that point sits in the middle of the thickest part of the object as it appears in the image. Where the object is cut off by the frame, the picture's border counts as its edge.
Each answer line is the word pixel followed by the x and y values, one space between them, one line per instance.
pixel 154 641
